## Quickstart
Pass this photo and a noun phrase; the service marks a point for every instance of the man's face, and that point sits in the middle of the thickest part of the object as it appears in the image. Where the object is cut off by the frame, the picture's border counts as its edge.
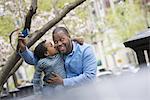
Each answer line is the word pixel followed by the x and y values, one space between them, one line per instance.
pixel 62 42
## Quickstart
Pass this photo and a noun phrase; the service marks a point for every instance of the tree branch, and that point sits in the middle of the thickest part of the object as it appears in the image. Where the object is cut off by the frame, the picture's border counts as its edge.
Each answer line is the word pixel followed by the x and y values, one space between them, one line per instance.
pixel 38 34
pixel 7 71
pixel 30 14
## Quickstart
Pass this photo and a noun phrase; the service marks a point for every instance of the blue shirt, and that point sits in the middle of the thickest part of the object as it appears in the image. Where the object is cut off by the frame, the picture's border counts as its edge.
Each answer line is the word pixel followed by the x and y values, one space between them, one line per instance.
pixel 80 64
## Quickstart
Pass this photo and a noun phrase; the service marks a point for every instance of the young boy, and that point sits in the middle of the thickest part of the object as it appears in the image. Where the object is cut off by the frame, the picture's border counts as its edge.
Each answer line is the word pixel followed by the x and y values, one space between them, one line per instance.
pixel 49 62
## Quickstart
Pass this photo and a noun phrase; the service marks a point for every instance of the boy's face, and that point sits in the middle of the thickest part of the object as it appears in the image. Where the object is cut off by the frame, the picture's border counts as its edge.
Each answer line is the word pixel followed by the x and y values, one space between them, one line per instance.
pixel 50 48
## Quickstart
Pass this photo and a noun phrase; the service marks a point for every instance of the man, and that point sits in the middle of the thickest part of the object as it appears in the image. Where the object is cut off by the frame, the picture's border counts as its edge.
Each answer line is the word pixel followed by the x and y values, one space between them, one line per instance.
pixel 80 61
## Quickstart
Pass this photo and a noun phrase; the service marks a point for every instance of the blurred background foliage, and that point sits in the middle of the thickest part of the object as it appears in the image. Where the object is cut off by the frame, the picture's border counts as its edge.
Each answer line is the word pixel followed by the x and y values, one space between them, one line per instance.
pixel 127 20
pixel 6 26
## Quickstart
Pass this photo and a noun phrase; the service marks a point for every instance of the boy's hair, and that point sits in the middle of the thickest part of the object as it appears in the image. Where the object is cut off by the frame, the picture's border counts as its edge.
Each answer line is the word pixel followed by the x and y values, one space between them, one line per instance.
pixel 40 50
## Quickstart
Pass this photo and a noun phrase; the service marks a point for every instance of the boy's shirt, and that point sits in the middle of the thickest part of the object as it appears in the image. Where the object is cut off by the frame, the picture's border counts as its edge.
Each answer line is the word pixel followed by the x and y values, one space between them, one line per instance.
pixel 48 65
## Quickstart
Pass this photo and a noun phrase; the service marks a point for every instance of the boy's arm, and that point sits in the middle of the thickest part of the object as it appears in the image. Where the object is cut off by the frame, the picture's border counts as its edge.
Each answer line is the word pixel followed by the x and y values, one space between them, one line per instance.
pixel 25 53
pixel 28 56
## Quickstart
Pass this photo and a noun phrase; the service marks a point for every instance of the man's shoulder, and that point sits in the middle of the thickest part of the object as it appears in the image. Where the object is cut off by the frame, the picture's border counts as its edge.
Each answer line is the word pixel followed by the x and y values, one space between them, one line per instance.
pixel 81 49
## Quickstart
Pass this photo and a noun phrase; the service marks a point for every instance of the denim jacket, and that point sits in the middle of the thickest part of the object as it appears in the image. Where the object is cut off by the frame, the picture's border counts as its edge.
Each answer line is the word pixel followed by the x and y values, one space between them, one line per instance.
pixel 47 66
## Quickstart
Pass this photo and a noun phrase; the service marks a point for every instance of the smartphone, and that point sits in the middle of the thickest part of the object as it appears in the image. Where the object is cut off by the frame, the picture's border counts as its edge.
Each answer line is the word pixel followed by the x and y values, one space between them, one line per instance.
pixel 25 32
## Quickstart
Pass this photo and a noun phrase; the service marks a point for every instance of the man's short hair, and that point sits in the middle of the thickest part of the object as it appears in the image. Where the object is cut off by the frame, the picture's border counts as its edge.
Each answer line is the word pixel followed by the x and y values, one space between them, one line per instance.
pixel 57 29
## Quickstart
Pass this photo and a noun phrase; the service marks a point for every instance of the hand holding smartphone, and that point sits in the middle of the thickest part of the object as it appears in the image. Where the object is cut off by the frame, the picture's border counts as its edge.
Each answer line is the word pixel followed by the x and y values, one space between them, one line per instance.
pixel 25 33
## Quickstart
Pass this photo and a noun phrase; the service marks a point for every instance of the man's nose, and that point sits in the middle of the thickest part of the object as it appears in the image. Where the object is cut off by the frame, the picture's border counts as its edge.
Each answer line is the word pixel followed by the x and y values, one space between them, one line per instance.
pixel 59 43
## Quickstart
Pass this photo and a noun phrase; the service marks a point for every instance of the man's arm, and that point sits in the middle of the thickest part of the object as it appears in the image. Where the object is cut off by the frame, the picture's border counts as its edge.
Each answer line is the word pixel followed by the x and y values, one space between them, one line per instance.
pixel 89 70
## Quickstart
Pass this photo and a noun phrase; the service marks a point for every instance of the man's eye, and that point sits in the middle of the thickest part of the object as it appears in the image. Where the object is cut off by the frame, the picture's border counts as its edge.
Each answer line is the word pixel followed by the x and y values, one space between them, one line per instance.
pixel 51 45
pixel 62 39
pixel 56 42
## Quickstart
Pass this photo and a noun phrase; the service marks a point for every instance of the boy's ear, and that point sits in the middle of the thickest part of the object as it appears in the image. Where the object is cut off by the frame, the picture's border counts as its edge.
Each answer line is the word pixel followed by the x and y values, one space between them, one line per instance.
pixel 46 53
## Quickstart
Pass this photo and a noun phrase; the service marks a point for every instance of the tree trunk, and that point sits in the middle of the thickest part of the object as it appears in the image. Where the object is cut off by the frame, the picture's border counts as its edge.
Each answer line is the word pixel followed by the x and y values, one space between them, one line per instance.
pixel 14 58
pixel 6 71
pixel 15 80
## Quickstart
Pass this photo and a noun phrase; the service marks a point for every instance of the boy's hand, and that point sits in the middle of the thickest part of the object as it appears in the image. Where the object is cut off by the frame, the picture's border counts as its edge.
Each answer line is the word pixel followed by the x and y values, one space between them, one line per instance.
pixel 21 43
pixel 79 40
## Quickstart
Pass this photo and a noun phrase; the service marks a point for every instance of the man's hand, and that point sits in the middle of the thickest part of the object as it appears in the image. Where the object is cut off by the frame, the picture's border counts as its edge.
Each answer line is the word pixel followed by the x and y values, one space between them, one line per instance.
pixel 56 79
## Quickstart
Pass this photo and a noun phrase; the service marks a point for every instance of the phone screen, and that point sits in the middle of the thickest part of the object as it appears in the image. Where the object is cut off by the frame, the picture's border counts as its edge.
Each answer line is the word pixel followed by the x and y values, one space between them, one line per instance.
pixel 25 32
